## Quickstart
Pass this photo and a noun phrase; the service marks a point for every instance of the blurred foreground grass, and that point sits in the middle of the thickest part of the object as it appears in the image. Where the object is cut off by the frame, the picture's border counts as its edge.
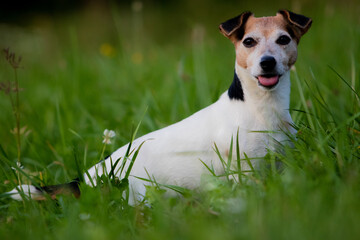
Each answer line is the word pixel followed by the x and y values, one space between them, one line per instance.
pixel 108 65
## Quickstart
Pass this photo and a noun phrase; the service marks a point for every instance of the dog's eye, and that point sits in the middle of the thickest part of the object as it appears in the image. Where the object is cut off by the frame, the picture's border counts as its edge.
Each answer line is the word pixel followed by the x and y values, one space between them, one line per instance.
pixel 283 40
pixel 249 42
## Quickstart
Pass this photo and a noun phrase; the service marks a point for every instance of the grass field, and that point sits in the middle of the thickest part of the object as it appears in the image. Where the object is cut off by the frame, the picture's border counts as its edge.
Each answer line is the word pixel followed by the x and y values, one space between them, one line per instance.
pixel 108 66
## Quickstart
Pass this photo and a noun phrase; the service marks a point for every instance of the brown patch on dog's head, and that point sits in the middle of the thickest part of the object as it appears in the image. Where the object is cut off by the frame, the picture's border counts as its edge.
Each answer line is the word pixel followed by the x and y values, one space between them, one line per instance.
pixel 296 24
pixel 253 36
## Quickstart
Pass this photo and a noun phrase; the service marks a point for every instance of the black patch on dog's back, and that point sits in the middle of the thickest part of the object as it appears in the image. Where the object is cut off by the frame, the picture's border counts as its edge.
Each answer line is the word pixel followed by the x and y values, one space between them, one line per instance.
pixel 235 90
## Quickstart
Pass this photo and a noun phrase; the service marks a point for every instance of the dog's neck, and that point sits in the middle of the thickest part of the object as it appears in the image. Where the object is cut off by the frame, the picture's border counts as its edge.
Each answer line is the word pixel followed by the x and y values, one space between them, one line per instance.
pixel 253 94
pixel 236 91
pixel 263 103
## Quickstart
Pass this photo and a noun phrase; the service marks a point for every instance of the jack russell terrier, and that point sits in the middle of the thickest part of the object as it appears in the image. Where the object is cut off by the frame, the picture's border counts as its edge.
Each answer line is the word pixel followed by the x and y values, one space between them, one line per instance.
pixel 255 109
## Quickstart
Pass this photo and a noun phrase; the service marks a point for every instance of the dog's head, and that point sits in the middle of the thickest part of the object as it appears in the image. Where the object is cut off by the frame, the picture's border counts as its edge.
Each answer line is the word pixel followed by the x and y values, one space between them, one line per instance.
pixel 266 47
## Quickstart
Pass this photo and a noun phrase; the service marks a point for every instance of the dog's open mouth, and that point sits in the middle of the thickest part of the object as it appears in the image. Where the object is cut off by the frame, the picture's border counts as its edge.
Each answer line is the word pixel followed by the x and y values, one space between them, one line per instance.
pixel 268 81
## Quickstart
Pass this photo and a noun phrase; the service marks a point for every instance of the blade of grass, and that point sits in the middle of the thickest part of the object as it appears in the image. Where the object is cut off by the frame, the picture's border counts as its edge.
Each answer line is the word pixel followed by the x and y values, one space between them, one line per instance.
pixel 302 97
pixel 181 190
pixel 347 84
pixel 238 160
pixel 211 170
pixel 133 160
pixel 228 165
pixel 219 156
pixel 79 169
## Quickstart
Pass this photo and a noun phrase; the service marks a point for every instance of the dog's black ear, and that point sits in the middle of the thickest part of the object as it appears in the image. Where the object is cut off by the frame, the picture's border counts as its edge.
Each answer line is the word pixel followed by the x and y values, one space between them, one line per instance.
pixel 234 27
pixel 298 23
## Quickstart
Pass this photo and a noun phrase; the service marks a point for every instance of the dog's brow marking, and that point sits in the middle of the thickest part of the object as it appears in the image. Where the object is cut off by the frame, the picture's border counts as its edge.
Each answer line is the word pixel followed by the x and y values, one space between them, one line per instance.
pixel 235 90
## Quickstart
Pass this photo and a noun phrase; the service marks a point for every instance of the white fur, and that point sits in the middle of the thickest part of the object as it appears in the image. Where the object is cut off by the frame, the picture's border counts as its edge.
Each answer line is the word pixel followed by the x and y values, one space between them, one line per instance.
pixel 172 155
pixel 27 190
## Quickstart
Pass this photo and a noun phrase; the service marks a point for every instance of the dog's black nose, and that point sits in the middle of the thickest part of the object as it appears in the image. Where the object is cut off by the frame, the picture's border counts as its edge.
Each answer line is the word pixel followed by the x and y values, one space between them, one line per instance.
pixel 267 63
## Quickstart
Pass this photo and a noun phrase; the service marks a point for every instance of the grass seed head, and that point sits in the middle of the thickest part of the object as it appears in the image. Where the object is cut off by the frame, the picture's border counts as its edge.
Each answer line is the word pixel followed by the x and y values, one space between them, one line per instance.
pixel 11 58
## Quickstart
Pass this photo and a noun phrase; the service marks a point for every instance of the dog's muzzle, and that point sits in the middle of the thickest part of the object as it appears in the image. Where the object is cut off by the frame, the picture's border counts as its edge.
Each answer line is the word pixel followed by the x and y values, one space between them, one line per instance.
pixel 269 79
pixel 267 63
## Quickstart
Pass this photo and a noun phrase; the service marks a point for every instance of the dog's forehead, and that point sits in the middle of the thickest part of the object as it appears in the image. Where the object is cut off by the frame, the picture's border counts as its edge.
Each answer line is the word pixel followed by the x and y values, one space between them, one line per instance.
pixel 265 25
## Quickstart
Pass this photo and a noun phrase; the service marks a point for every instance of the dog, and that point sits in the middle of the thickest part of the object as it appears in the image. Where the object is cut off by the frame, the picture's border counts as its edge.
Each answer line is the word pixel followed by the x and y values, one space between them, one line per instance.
pixel 255 109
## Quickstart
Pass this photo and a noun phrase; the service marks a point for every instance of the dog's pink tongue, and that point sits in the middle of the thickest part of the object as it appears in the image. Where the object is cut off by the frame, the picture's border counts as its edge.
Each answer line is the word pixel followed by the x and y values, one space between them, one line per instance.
pixel 268 81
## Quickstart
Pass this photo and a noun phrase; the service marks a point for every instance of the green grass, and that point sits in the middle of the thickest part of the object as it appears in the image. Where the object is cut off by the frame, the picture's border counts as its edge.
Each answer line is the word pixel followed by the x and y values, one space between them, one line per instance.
pixel 158 66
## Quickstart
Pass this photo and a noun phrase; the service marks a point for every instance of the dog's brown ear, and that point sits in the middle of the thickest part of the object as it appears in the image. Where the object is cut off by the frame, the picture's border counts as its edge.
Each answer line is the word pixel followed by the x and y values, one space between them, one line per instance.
pixel 234 27
pixel 299 24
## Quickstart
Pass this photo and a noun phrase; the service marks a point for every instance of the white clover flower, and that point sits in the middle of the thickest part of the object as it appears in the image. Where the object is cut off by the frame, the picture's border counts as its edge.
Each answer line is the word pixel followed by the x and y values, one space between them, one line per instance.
pixel 108 134
pixel 18 164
